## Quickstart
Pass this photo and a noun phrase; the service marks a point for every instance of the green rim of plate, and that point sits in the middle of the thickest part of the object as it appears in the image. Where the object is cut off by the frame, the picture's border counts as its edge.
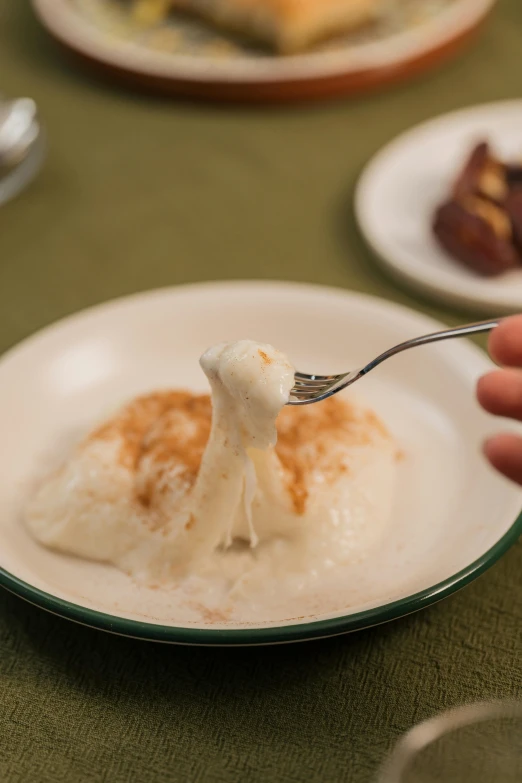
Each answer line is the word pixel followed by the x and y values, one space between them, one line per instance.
pixel 270 635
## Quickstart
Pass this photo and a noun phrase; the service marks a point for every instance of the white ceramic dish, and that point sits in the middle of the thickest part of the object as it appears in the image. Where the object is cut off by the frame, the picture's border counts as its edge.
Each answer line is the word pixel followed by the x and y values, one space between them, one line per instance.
pixel 453 517
pixel 401 187
pixel 180 56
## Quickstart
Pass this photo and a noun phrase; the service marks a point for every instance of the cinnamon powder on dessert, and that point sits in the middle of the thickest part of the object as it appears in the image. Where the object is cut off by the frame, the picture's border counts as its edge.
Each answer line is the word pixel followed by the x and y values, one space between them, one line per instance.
pixel 171 429
pixel 306 442
pixel 265 357
pixel 166 428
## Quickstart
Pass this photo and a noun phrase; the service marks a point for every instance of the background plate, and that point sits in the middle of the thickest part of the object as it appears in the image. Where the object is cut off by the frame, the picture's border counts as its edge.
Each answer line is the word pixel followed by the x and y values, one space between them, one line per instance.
pixel 180 58
pixel 403 184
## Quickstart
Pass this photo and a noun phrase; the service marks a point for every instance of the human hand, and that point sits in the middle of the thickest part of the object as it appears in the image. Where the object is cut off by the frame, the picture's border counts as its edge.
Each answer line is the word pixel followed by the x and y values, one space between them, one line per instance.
pixel 500 392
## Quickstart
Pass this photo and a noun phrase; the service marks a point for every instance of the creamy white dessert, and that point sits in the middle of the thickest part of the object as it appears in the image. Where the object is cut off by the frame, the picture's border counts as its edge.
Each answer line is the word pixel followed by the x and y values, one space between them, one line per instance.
pixel 225 499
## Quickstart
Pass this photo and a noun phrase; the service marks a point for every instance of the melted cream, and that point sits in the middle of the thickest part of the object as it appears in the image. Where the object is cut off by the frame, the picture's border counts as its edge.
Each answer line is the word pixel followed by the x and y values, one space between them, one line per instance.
pixel 216 508
pixel 250 385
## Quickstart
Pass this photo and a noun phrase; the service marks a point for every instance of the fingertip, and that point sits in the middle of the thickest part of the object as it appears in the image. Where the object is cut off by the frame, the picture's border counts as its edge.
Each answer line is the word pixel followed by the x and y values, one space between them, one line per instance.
pixel 504 452
pixel 492 447
pixel 500 392
pixel 485 388
pixel 505 342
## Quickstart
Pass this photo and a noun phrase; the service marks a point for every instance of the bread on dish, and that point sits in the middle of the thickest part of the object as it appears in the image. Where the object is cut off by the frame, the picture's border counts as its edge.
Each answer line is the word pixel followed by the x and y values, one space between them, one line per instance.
pixel 287 26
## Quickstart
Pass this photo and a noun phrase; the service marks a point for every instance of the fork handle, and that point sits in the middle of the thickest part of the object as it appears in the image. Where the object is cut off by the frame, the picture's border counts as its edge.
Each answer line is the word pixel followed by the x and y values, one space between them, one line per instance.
pixel 447 334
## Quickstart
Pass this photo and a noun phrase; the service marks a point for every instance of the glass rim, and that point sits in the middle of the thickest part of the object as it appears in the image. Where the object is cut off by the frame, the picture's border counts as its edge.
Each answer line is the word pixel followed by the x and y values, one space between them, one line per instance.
pixel 20 176
pixel 429 731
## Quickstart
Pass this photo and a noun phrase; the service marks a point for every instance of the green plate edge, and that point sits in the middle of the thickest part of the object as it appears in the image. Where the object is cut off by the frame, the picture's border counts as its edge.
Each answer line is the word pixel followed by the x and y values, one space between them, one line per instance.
pixel 270 635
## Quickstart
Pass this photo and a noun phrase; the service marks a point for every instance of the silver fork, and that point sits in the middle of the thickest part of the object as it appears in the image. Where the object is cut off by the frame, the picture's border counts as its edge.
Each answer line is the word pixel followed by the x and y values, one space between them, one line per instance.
pixel 314 388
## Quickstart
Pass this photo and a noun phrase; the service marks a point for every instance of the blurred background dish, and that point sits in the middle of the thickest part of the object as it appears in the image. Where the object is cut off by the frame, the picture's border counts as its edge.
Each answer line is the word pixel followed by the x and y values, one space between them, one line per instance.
pixel 181 55
pixel 403 185
pixel 22 146
pixel 479 742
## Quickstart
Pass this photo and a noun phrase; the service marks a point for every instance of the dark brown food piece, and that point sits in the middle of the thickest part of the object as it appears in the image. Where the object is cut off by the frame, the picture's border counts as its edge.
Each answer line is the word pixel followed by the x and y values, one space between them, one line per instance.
pixel 467 181
pixel 494 214
pixel 483 175
pixel 481 223
pixel 514 175
pixel 478 234
pixel 514 211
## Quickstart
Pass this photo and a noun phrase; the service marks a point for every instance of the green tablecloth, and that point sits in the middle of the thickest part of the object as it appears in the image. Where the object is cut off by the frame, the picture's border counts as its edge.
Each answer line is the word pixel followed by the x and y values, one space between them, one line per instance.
pixel 139 193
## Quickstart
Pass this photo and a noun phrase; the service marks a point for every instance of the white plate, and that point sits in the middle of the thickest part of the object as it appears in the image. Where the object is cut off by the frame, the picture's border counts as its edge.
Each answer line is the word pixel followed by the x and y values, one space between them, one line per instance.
pixel 403 184
pixel 179 55
pixel 453 516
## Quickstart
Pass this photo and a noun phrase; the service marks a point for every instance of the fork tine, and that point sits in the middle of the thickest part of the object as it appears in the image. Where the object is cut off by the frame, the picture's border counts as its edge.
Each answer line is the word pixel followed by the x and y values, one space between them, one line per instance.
pixel 301 393
pixel 310 388
pixel 309 392
pixel 301 376
pixel 310 384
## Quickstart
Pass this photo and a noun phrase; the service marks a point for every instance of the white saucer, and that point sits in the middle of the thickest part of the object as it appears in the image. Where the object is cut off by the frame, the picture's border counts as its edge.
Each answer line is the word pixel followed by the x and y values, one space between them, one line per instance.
pixel 403 184
pixel 453 517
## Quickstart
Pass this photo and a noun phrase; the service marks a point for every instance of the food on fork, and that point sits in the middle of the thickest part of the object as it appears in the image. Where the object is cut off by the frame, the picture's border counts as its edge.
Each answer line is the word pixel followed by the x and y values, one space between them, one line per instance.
pixel 236 488
pixel 480 225
pixel 285 25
